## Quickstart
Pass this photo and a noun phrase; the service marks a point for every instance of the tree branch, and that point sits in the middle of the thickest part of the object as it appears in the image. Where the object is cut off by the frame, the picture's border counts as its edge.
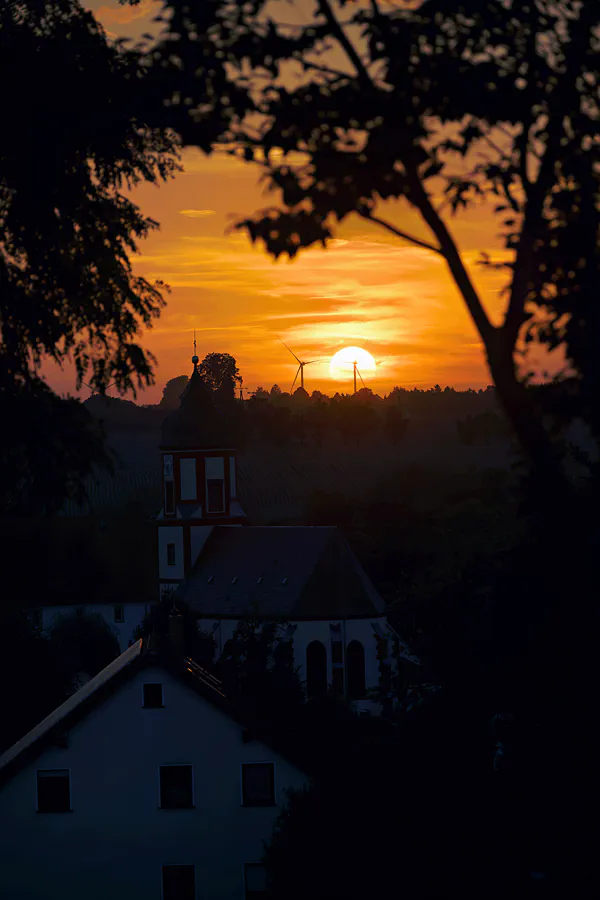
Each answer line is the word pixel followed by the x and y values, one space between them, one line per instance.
pixel 337 30
pixel 326 70
pixel 401 234
pixel 449 251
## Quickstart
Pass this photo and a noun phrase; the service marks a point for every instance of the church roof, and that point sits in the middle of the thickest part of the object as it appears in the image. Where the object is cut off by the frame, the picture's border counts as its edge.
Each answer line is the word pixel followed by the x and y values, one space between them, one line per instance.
pixel 197 424
pixel 293 572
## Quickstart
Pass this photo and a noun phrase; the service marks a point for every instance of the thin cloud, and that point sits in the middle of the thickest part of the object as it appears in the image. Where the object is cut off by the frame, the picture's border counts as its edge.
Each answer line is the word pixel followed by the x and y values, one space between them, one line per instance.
pixel 197 213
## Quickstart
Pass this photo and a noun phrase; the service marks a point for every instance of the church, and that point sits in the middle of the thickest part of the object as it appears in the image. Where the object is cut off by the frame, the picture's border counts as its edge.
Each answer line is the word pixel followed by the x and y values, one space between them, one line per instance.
pixel 226 569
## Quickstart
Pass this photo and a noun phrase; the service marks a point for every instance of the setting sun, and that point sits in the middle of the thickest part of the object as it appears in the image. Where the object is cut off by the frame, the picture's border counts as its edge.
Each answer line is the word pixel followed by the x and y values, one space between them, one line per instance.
pixel 341 365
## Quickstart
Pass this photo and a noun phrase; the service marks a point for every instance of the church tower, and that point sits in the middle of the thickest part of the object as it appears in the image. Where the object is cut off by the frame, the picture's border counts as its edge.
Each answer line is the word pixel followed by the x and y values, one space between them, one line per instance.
pixel 199 480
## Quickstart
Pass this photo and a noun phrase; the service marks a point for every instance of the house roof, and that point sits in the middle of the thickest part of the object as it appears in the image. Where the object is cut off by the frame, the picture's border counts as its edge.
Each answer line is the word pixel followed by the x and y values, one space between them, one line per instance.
pixel 197 423
pixel 141 654
pixel 292 572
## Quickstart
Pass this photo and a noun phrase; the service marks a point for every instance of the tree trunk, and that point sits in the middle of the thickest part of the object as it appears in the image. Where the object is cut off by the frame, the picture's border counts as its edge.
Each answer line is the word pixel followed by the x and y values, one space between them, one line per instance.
pixel 542 453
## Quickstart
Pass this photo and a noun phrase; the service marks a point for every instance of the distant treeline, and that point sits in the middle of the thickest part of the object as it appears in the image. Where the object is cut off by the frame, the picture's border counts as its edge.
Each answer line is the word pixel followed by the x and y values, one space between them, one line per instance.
pixel 274 416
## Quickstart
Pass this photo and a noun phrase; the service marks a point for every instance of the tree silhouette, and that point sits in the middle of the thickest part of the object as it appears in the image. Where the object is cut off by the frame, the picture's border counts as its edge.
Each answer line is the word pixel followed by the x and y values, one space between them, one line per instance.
pixel 434 105
pixel 221 375
pixel 172 391
pixel 67 288
pixel 82 644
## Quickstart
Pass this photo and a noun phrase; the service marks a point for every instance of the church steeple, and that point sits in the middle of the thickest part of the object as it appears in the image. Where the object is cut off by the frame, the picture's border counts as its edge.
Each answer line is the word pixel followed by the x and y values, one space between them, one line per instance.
pixel 198 447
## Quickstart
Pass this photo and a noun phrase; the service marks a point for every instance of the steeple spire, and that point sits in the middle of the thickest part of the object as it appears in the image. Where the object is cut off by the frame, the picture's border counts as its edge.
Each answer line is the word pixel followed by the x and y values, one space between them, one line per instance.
pixel 195 359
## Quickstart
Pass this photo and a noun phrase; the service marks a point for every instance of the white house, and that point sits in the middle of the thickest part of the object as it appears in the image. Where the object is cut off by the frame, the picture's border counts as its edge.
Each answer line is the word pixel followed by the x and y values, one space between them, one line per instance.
pixel 146 785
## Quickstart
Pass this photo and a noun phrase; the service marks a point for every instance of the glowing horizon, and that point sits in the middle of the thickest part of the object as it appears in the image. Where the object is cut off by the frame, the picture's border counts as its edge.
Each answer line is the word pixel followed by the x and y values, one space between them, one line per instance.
pixel 367 289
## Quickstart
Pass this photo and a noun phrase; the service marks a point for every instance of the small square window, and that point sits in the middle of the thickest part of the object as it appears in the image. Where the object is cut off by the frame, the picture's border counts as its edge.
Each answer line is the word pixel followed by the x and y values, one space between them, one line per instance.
pixel 119 613
pixel 258 784
pixel 170 554
pixel 178 883
pixel 215 495
pixel 53 791
pixel 336 652
pixel 153 695
pixel 176 787
pixel 255 881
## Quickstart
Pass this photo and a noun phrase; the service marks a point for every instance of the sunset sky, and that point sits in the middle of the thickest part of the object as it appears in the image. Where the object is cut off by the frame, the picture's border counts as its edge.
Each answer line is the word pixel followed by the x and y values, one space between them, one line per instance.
pixel 368 289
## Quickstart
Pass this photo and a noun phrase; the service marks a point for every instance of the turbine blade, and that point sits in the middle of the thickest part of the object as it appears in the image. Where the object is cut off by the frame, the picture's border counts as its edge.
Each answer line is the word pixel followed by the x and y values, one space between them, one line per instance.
pixel 361 378
pixel 287 348
pixel 295 379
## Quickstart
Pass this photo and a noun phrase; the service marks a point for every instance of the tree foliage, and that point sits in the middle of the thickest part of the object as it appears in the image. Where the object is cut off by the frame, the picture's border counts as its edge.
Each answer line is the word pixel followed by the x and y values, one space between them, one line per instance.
pixel 221 374
pixel 437 106
pixel 49 446
pixel 82 644
pixel 67 229
pixel 172 391
pixel 256 666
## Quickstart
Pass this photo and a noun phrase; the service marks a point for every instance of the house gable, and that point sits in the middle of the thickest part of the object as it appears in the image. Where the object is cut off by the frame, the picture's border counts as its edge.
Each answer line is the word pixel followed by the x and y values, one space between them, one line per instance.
pixel 113 754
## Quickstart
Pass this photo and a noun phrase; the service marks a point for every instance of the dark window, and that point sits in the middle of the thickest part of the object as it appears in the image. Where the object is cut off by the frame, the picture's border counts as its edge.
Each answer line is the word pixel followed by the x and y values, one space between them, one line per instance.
pixel 79 611
pixel 153 695
pixel 316 669
pixel 258 784
pixel 53 791
pixel 176 791
pixel 337 656
pixel 255 881
pixel 337 681
pixel 170 554
pixel 37 620
pixel 169 498
pixel 355 668
pixel 178 883
pixel 215 495
pixel 119 613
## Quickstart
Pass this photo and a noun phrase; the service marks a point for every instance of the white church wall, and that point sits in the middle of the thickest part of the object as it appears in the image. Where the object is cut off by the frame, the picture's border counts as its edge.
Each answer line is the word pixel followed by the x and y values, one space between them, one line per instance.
pixel 317 630
pixel 116 839
pixel 172 534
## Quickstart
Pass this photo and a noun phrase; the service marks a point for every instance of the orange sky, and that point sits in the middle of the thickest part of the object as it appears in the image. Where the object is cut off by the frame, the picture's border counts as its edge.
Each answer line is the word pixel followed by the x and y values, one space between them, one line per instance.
pixel 368 289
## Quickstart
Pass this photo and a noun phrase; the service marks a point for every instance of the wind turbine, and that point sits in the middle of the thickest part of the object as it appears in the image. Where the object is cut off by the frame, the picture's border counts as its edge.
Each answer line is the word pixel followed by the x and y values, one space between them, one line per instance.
pixel 356 369
pixel 300 368
pixel 94 390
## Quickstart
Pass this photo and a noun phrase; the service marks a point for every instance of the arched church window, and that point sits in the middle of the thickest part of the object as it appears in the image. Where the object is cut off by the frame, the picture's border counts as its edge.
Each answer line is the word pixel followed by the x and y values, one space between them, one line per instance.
pixel 355 669
pixel 316 669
